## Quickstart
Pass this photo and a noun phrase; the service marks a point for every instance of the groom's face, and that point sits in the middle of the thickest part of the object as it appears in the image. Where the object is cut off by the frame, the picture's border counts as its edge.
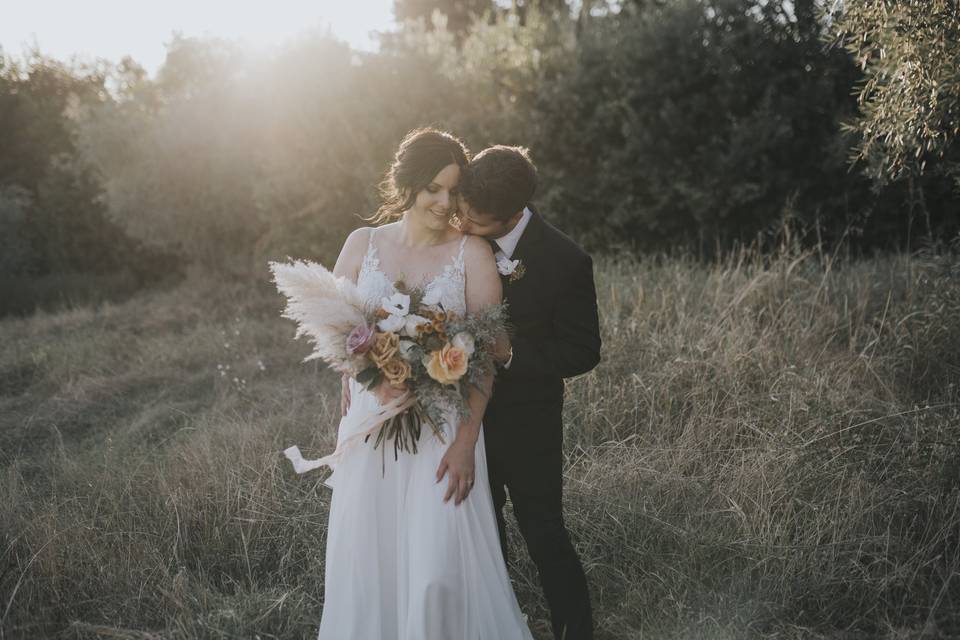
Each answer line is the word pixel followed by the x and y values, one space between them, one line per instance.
pixel 486 225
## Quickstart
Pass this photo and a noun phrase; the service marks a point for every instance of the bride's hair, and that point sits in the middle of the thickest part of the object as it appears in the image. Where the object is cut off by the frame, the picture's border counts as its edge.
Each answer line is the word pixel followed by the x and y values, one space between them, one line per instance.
pixel 423 153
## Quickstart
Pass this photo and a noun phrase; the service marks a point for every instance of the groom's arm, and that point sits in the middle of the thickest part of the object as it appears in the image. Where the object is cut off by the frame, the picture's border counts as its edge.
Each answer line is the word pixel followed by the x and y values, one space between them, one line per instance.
pixel 574 347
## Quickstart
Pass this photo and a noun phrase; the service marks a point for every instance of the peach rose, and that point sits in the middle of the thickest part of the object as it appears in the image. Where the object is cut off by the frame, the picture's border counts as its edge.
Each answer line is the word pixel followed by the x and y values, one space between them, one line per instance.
pixel 384 348
pixel 396 371
pixel 447 365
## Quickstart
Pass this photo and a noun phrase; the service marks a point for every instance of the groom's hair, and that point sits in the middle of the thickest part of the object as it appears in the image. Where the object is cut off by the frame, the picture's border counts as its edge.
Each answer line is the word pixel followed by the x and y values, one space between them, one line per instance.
pixel 499 181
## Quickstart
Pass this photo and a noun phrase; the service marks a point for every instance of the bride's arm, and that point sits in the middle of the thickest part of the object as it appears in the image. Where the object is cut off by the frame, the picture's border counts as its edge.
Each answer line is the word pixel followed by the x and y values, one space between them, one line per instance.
pixel 483 288
pixel 351 254
pixel 348 266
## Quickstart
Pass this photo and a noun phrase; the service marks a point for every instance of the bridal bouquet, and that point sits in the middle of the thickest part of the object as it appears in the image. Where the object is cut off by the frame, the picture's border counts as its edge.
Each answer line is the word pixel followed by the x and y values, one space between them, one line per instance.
pixel 408 340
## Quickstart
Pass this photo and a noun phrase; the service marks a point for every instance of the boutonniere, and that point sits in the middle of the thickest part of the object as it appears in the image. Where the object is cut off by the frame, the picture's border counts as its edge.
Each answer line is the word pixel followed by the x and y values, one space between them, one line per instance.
pixel 512 269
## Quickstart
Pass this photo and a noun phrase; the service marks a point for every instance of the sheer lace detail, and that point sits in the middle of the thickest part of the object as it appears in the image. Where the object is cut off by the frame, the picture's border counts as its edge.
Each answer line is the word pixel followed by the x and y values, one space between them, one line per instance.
pixel 371 281
pixel 448 287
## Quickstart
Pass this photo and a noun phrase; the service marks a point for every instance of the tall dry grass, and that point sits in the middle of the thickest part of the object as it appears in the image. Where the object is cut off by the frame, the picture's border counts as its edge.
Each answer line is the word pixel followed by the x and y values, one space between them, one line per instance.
pixel 769 448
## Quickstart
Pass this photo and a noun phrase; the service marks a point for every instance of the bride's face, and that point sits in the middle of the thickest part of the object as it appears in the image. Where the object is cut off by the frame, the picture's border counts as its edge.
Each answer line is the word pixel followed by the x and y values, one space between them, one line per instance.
pixel 437 201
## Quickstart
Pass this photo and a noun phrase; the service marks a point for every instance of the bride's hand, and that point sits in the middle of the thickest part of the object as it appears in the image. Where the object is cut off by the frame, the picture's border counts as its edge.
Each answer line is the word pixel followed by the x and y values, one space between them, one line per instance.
pixel 387 393
pixel 458 463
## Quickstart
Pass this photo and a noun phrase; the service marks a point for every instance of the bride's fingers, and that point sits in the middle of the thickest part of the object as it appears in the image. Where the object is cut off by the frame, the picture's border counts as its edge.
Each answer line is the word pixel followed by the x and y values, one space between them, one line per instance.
pixel 442 469
pixel 464 490
pixel 452 487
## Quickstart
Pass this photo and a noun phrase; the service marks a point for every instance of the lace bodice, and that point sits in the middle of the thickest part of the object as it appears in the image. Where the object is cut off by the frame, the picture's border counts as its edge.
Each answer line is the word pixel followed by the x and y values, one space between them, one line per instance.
pixel 447 287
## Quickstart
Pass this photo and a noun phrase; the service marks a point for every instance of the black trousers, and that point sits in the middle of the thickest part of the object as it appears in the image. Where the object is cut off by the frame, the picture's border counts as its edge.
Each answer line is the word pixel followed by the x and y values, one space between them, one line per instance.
pixel 535 484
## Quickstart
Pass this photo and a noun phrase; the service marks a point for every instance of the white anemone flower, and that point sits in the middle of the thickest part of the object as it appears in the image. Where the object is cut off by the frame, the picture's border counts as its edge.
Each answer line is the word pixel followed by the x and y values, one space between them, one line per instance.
pixel 396 305
pixel 405 347
pixel 506 266
pixel 412 322
pixel 391 324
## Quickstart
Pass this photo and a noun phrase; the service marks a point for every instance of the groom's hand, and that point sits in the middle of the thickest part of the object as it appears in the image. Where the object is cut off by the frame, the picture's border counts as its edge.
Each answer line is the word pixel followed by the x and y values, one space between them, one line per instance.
pixel 502 350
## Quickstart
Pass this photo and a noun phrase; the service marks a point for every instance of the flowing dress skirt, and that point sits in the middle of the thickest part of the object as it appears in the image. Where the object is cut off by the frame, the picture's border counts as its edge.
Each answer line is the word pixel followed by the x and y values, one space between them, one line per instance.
pixel 400 563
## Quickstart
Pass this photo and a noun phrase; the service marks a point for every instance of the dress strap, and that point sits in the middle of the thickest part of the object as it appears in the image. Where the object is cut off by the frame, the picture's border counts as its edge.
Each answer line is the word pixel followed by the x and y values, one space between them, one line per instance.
pixel 370 260
pixel 459 259
pixel 371 253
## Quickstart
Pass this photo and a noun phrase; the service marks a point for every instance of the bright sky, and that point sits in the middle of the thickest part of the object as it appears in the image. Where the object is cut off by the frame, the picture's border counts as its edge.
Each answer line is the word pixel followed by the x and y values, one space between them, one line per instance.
pixel 114 28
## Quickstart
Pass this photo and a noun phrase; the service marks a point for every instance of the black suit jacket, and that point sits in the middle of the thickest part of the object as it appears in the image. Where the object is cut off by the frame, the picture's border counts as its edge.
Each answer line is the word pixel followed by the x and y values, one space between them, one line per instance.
pixel 555 334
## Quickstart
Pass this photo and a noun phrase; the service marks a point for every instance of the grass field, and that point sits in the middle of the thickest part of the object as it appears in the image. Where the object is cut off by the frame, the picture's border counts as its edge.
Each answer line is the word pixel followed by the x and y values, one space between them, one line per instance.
pixel 768 449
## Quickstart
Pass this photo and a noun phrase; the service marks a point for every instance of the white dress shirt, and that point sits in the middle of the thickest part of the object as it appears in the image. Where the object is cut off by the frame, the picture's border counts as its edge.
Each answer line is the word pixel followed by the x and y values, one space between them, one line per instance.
pixel 508 243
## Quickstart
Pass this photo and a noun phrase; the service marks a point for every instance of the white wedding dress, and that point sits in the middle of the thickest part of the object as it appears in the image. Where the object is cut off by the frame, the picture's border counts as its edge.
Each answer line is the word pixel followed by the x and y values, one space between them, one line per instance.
pixel 401 564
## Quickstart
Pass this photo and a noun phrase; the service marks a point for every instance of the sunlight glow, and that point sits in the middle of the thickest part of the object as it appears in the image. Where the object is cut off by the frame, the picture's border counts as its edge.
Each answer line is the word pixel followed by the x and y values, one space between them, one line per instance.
pixel 112 29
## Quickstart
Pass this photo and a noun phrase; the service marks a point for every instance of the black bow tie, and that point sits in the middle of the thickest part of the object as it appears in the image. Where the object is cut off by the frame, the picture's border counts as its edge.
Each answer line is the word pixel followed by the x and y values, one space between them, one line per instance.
pixel 493 244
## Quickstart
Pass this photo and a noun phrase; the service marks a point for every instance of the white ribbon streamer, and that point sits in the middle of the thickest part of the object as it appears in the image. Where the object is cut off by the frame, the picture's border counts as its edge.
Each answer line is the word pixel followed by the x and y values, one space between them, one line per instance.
pixel 361 420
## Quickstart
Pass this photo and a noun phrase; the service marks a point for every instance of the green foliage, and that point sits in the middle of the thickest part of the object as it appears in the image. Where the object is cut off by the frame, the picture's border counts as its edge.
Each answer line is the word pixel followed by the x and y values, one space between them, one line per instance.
pixel 698 122
pixel 369 377
pixel 497 73
pixel 14 244
pixel 693 123
pixel 178 173
pixel 458 15
pixel 34 94
pixel 231 159
pixel 910 99
pixel 52 218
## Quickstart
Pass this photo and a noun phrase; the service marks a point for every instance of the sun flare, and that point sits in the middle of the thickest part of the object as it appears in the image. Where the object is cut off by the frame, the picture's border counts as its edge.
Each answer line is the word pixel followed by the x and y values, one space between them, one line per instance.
pixel 112 29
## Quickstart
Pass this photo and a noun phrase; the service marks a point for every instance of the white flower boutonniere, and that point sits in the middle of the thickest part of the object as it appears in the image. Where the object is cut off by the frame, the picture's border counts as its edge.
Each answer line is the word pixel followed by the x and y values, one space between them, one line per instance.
pixel 512 269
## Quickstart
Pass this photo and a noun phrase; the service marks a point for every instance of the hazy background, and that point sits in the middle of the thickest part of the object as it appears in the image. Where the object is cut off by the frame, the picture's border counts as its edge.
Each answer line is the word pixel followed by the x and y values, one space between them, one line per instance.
pixel 695 125
pixel 770 445
pixel 113 29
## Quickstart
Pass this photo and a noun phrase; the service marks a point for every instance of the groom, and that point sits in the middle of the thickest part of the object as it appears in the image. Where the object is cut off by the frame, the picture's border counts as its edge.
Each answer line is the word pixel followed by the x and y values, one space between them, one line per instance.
pixel 548 286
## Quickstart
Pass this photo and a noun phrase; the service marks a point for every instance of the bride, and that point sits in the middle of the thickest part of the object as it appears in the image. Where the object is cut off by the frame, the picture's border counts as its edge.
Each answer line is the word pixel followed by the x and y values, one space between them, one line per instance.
pixel 413 551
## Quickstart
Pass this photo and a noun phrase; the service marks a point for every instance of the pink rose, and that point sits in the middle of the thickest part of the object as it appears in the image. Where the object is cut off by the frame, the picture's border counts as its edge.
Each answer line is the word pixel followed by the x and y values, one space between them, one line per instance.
pixel 361 339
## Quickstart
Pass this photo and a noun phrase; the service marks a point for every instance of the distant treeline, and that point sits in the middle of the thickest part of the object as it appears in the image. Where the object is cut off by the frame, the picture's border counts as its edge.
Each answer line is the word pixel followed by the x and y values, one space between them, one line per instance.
pixel 701 124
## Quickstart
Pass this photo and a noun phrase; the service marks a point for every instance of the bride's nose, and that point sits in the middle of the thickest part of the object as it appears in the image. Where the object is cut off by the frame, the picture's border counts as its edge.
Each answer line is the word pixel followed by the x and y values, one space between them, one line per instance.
pixel 443 199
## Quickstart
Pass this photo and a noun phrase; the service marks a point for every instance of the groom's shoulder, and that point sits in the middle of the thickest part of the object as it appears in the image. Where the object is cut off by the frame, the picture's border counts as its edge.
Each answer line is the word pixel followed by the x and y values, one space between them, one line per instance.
pixel 563 243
